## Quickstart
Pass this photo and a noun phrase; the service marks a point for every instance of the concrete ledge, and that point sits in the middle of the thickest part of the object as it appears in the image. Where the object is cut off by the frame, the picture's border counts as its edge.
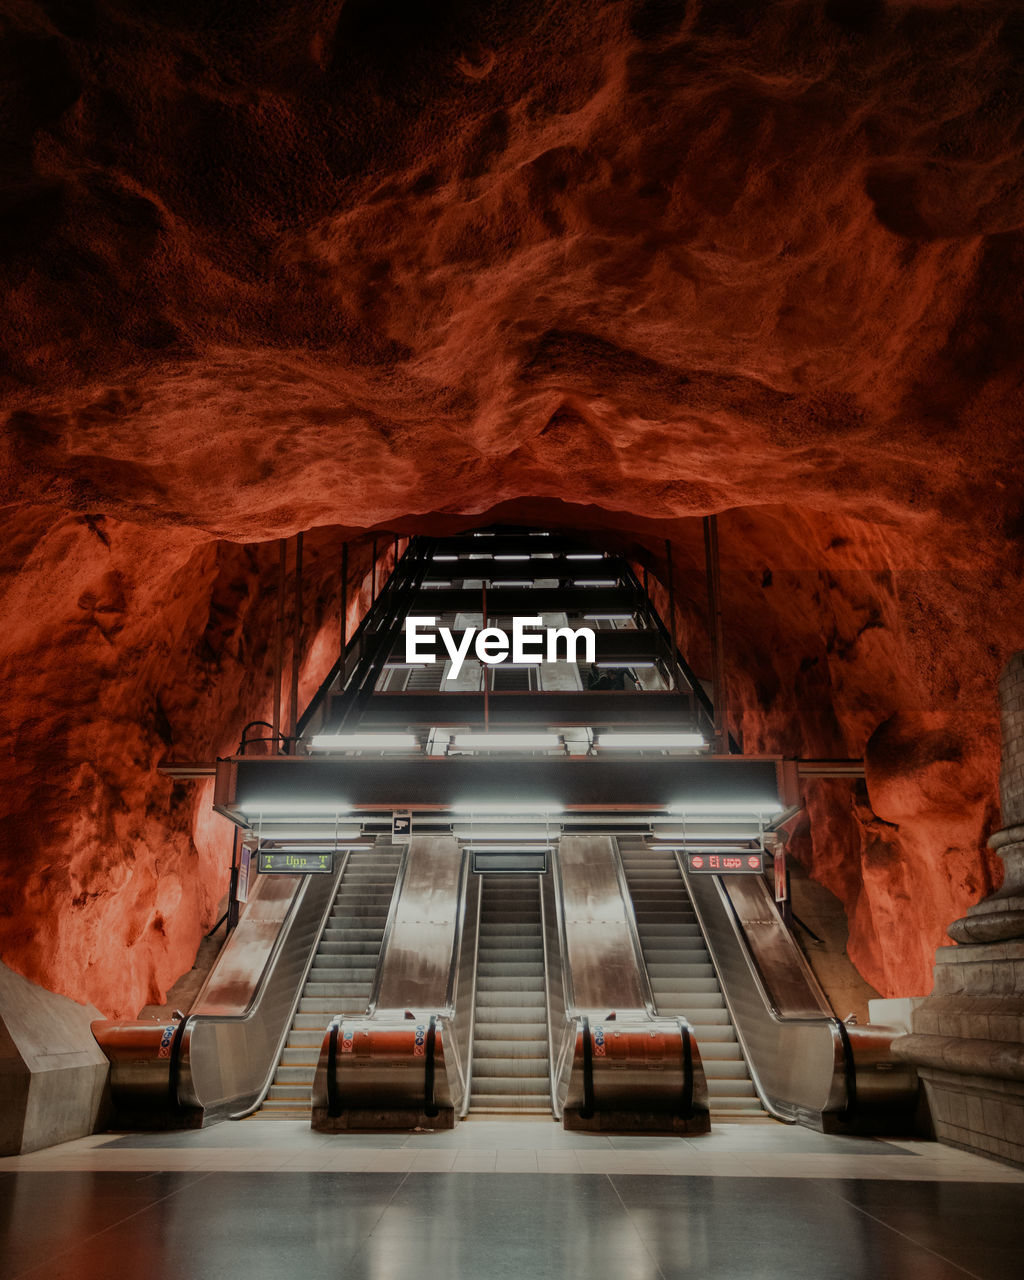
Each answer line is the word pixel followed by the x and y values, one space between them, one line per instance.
pixel 53 1074
pixel 991 1058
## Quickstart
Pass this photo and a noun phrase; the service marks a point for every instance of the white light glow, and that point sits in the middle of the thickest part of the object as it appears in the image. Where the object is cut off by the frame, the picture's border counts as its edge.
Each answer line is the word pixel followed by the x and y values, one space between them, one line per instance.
pixel 607 617
pixel 629 665
pixel 312 832
pixel 344 847
pixel 524 556
pixel 596 582
pixel 701 832
pixel 649 741
pixel 501 583
pixel 511 847
pixel 496 831
pixel 293 808
pixel 438 559
pixel 511 808
pixel 752 807
pixel 364 742
pixel 507 741
pixel 584 555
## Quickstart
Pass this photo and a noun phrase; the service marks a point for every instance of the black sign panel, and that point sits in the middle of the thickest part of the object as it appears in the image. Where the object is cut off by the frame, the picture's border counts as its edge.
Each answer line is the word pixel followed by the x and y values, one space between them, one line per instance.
pixel 296 863
pixel 725 864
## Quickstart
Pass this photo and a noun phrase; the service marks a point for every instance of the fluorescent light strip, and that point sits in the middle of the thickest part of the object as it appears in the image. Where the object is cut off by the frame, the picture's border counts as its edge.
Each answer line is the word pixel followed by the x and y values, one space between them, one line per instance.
pixel 596 582
pixel 435 586
pixel 536 831
pixel 310 833
pixel 525 556
pixel 618 666
pixel 607 617
pixel 702 833
pixel 752 807
pixel 499 583
pixel 293 808
pixel 315 848
pixel 507 741
pixel 365 742
pixel 649 741
pixel 438 559
pixel 511 808
pixel 584 555
pixel 511 847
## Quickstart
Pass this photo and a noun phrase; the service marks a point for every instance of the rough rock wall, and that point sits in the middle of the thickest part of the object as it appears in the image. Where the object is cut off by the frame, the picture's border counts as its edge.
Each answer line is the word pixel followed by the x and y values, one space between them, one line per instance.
pixel 122 649
pixel 285 266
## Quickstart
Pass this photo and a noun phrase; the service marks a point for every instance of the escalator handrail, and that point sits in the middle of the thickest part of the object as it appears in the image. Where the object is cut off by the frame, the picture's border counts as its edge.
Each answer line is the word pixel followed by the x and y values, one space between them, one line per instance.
pixel 389 928
pixel 193 1022
pixel 781 1109
pixel 629 910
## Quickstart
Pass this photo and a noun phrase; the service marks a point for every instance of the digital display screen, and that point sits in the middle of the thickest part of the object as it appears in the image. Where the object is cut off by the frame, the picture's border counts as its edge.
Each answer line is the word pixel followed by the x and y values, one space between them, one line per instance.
pixel 296 863
pixel 725 863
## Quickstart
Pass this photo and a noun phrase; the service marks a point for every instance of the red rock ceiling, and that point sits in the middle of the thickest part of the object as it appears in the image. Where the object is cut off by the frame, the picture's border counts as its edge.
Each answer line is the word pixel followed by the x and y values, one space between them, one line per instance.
pixel 342 265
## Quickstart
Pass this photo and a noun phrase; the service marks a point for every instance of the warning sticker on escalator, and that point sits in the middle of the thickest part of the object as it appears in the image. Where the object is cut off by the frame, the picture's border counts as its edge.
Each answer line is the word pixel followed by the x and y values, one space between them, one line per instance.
pixel 599 1047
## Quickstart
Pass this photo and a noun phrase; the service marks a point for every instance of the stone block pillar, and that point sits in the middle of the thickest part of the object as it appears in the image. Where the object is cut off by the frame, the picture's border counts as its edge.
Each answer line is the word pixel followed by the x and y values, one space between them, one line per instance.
pixel 967 1037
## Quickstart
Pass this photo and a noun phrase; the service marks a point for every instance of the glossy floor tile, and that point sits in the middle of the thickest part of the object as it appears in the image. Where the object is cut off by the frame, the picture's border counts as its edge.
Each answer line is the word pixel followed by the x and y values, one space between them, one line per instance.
pixel 500 1198
pixel 262 1226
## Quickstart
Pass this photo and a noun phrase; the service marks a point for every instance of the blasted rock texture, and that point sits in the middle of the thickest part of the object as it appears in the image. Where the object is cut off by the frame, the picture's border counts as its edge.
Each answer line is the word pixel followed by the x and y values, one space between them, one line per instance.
pixel 354 264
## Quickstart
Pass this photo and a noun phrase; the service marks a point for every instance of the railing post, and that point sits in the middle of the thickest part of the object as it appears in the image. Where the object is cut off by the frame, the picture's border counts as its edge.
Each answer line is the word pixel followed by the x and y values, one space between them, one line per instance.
pixel 282 565
pixel 714 587
pixel 293 705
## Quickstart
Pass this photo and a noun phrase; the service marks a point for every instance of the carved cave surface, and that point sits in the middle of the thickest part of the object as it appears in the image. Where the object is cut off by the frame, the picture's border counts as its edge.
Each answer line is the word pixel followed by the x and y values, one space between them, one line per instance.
pixel 344 265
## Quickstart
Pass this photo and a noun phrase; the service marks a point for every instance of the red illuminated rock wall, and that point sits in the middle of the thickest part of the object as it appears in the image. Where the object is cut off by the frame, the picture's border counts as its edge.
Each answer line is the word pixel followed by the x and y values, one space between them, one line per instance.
pixel 297 266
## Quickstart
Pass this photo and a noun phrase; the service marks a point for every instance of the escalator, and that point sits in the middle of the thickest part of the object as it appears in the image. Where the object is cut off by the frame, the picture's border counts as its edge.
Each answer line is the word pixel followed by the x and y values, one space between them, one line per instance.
pixel 682 977
pixel 510 1038
pixel 341 977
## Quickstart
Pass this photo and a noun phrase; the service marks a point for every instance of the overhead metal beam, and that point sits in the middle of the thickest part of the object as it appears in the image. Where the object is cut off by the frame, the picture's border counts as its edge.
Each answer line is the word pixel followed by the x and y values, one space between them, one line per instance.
pixel 594 707
pixel 245 783
pixel 505 602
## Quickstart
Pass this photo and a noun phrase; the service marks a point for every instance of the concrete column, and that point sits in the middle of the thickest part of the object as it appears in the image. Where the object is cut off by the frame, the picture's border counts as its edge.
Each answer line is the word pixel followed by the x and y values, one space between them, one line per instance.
pixel 1000 916
pixel 967 1037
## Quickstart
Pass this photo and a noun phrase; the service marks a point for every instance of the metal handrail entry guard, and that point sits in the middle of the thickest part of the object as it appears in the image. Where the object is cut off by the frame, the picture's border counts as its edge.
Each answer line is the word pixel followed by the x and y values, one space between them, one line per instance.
pixel 828 1076
pixel 617 1071
pixel 188 1091
pixel 370 1075
pixel 151 1078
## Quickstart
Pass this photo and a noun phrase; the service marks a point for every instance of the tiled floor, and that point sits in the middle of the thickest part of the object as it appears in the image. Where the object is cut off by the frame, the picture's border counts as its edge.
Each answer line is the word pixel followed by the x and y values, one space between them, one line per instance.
pixel 271 1199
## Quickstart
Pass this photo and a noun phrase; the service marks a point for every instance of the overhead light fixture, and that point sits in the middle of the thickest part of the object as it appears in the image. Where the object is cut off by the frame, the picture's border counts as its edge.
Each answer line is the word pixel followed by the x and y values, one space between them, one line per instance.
pixel 596 582
pixel 649 741
pixel 495 831
pixel 438 559
pixel 365 742
pixel 342 847
pixel 524 556
pixel 511 847
pixel 752 807
pixel 607 617
pixel 584 555
pixel 293 808
pixel 499 583
pixel 511 808
pixel 700 832
pixel 624 665
pixel 434 586
pixel 506 741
